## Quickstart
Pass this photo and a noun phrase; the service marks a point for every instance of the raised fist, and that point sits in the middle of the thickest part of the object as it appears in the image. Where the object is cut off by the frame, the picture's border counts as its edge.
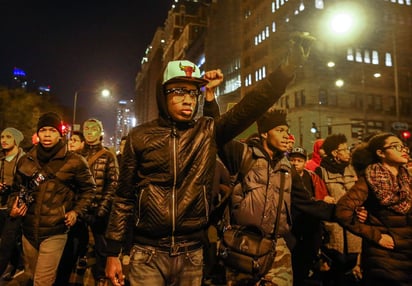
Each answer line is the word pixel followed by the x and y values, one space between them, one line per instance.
pixel 300 44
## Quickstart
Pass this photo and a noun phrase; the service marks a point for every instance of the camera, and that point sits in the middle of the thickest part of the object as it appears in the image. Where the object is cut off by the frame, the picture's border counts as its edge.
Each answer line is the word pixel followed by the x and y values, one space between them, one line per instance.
pixel 25 196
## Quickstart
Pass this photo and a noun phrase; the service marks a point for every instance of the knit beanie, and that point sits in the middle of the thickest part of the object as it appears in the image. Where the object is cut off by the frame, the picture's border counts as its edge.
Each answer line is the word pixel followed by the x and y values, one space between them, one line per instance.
pixel 96 121
pixel 270 120
pixel 332 142
pixel 50 119
pixel 17 135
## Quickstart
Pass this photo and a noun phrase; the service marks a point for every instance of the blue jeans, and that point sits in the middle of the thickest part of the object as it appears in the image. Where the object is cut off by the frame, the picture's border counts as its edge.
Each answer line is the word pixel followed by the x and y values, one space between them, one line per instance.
pixel 42 263
pixel 151 266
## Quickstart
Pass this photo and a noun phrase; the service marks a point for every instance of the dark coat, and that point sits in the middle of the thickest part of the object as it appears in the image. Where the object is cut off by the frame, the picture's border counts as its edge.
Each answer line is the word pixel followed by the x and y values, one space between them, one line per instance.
pixel 378 262
pixel 105 171
pixel 70 187
pixel 168 167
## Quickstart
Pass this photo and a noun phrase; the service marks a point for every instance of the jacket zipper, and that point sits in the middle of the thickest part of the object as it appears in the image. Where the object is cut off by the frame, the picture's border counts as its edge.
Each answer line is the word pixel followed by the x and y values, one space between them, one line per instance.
pixel 139 205
pixel 174 142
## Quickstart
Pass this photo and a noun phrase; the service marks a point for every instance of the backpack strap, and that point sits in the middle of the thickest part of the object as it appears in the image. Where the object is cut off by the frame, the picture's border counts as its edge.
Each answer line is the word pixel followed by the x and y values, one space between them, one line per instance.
pixel 246 165
pixel 93 158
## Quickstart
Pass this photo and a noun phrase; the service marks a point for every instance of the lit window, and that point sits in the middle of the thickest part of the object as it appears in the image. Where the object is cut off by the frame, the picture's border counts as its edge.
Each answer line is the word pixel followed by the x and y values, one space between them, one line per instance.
pixel 273 27
pixel 388 59
pixel 319 4
pixel 358 55
pixel 375 57
pixel 349 55
pixel 367 58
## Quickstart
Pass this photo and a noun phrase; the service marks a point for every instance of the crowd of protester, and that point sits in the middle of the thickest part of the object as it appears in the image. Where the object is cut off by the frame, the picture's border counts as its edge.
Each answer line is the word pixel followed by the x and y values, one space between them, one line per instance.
pixel 156 212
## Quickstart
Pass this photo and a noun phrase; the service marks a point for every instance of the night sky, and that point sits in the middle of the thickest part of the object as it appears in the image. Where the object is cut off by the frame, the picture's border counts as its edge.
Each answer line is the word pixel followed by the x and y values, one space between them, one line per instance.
pixel 78 45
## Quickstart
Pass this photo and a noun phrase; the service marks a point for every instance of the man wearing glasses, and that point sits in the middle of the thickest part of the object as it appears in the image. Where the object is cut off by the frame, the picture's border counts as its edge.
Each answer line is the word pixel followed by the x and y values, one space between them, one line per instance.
pixel 168 167
pixel 339 176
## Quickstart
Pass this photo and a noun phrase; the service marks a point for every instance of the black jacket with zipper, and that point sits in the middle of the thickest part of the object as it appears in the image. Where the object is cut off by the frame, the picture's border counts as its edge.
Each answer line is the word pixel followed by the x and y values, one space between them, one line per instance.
pixel 167 169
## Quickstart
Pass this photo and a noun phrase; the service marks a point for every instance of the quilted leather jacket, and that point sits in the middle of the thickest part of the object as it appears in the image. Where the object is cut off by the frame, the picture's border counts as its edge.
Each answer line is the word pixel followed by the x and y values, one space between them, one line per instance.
pixel 105 171
pixel 70 187
pixel 167 169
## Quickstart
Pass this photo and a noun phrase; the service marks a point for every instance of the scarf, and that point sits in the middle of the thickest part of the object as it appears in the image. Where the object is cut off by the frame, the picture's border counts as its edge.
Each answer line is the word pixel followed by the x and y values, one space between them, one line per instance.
pixel 332 166
pixel 45 154
pixel 393 192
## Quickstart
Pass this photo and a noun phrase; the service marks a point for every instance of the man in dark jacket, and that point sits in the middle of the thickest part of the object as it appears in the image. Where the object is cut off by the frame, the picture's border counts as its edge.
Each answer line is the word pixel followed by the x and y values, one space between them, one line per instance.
pixel 105 170
pixel 255 199
pixel 167 172
pixel 49 178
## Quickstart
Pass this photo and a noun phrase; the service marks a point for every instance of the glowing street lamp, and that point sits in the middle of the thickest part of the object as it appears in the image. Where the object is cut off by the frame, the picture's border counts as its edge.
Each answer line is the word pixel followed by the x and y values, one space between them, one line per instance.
pixel 344 21
pixel 105 93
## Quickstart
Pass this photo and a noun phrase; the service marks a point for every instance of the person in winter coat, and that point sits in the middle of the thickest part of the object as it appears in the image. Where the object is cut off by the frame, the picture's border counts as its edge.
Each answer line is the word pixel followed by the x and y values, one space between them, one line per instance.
pixel 384 188
pixel 105 170
pixel 168 167
pixel 341 246
pixel 255 198
pixel 57 189
pixel 10 223
pixel 307 258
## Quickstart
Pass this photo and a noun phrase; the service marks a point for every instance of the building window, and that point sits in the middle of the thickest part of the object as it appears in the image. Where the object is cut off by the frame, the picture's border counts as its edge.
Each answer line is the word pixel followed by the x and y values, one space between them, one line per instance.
pixel 359 56
pixel 405 106
pixel 332 98
pixel 319 4
pixel 375 57
pixel 300 99
pixel 367 57
pixel 323 97
pixel 349 55
pixel 388 59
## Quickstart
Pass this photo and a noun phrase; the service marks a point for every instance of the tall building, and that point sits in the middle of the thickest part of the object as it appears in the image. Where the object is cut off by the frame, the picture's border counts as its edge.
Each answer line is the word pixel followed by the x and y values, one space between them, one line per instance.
pixel 355 83
pixel 125 120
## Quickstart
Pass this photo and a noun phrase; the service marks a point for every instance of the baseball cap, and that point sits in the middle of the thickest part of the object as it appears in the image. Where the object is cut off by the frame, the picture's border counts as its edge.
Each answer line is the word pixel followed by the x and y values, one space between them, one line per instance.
pixel 183 70
pixel 298 151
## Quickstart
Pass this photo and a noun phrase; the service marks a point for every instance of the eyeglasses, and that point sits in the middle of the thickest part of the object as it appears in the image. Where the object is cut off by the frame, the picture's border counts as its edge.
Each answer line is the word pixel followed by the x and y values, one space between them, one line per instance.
pixel 343 149
pixel 179 93
pixel 397 147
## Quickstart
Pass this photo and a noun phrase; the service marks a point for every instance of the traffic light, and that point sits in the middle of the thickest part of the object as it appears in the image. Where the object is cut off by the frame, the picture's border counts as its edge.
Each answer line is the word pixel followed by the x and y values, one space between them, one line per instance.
pixel 65 128
pixel 314 129
pixel 405 135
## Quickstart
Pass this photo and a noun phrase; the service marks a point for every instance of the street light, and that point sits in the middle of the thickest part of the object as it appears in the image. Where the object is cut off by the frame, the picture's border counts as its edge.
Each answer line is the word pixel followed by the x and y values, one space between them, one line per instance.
pixel 105 93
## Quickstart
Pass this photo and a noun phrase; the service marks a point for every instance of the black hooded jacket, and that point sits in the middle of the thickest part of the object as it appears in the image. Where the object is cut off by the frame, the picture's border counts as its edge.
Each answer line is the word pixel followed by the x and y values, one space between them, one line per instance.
pixel 167 169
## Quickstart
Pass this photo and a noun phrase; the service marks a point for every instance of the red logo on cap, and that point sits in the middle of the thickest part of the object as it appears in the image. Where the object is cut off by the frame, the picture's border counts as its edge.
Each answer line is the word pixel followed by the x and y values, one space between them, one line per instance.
pixel 187 69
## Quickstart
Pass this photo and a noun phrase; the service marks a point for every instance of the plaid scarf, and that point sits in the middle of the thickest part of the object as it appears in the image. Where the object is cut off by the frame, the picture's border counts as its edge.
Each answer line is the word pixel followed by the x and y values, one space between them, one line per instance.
pixel 393 192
